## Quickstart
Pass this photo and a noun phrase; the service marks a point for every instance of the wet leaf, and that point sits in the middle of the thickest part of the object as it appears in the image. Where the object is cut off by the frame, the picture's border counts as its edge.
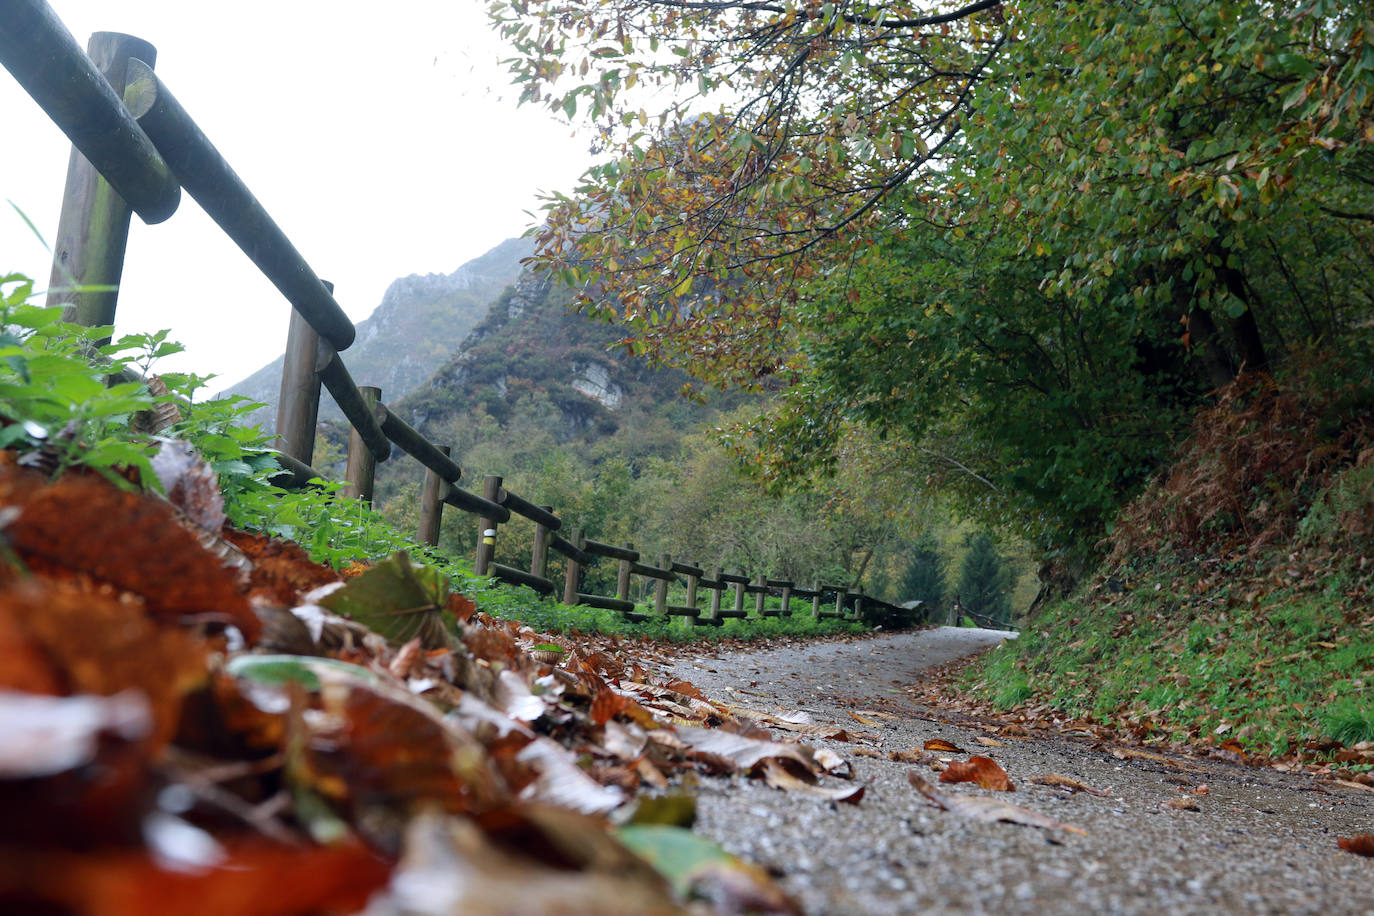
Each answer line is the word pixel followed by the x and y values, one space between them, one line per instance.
pixel 49 735
pixel 189 484
pixel 982 770
pixel 132 541
pixel 256 877
pixel 940 744
pixel 779 777
pixel 698 868
pixel 454 867
pixel 676 810
pixel 397 599
pixel 281 572
pixel 305 670
pixel 986 809
pixel 561 782
pixel 738 752
pixel 1359 845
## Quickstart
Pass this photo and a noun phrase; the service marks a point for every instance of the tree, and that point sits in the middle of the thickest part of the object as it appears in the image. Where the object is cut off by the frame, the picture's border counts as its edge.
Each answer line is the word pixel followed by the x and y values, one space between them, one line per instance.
pixel 924 578
pixel 984 582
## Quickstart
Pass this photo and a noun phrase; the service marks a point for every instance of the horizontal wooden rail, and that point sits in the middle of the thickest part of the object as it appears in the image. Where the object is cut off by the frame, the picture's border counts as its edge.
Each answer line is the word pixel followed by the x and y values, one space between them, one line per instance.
pixel 468 501
pixel 46 60
pixel 418 447
pixel 734 578
pixel 520 577
pixel 652 572
pixel 523 507
pixel 605 603
pixel 682 610
pixel 683 569
pixel 569 550
pixel 295 474
pixel 203 172
pixel 342 388
pixel 610 550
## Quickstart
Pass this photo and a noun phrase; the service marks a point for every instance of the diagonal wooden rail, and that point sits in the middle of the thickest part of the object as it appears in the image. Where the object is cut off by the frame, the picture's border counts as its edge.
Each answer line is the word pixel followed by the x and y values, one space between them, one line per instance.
pixel 143 147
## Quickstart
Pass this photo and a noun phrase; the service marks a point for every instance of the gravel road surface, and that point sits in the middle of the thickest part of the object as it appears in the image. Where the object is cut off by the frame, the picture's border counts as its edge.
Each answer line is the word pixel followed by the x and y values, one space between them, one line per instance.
pixel 1255 841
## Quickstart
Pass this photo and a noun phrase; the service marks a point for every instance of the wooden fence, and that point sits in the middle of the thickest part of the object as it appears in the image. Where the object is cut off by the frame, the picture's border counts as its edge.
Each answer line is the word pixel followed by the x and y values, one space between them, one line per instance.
pixel 135 149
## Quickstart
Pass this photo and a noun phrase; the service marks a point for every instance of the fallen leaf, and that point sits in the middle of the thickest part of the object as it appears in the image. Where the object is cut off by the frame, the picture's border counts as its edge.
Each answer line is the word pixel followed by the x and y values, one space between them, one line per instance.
pixel 1068 782
pixel 940 744
pixel 399 600
pixel 45 736
pixel 1359 845
pixel 987 809
pixel 989 742
pixel 739 752
pixel 779 777
pixel 983 770
pixel 833 763
pixel 1182 804
pixel 699 869
pixel 864 719
pixel 561 782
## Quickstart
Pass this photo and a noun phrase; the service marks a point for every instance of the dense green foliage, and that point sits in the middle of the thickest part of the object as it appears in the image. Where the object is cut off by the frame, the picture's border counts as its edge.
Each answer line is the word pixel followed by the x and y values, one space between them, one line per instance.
pixel 923 579
pixel 1133 202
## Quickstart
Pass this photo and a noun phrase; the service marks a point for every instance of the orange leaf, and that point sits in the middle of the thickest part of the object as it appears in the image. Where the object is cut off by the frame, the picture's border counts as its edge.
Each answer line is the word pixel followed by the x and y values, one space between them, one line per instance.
pixel 1360 845
pixel 940 744
pixel 982 770
pixel 85 525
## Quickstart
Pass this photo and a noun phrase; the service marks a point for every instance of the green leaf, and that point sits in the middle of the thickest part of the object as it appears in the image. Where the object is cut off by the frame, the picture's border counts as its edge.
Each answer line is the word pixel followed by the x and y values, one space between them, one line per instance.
pixel 399 600
pixel 279 670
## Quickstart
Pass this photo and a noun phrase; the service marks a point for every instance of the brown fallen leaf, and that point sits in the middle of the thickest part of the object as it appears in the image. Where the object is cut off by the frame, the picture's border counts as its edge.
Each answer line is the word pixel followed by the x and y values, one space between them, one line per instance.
pixel 983 770
pixel 864 720
pixel 779 777
pixel 987 809
pixel 1359 845
pixel 989 742
pixel 1068 782
pixel 739 752
pixel 940 744
pixel 912 756
pixel 867 752
pixel 1187 803
pixel 1130 753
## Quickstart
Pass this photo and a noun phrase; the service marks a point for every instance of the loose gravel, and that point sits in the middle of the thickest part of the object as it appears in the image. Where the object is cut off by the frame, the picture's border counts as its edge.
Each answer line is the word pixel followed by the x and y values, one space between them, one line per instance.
pixel 1258 841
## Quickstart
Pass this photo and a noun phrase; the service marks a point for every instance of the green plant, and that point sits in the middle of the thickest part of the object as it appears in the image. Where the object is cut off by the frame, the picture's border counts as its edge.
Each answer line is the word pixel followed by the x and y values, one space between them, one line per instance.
pixel 1350 722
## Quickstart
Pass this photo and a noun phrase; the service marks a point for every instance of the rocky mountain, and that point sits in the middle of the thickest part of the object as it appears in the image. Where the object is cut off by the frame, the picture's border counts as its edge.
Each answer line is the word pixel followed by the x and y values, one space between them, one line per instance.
pixel 420 323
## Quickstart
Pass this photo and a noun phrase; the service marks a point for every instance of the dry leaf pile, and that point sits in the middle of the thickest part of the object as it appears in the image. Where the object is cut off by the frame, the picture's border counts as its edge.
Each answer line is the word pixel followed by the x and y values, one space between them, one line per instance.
pixel 205 721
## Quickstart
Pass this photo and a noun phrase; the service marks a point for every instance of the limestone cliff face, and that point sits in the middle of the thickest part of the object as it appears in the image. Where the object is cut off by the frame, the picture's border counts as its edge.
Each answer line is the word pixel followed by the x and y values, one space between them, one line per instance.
pixel 420 323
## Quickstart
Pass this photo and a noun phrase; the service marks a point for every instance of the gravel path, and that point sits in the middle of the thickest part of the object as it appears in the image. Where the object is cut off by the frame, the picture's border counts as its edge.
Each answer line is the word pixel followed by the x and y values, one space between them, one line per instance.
pixel 1259 841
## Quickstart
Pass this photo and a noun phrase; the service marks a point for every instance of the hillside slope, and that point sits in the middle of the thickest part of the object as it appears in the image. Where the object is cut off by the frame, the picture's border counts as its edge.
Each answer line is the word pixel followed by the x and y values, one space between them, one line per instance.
pixel 420 322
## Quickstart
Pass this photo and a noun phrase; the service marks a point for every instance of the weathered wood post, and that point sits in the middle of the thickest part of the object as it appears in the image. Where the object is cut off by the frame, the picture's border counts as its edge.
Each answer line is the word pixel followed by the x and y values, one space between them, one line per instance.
pixel 362 464
pixel 431 505
pixel 692 580
pixel 539 553
pixel 298 407
pixel 93 228
pixel 622 577
pixel 661 587
pixel 787 598
pixel 839 601
pixel 761 595
pixel 715 592
pixel 573 578
pixel 486 529
pixel 816 598
pixel 739 597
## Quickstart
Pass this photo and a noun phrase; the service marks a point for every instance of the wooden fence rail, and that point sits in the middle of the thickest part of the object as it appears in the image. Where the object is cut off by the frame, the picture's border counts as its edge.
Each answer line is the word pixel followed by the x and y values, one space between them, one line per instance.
pixel 134 141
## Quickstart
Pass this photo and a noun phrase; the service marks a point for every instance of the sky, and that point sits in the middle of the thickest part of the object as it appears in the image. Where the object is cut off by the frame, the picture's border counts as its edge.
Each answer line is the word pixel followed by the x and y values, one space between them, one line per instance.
pixel 383 139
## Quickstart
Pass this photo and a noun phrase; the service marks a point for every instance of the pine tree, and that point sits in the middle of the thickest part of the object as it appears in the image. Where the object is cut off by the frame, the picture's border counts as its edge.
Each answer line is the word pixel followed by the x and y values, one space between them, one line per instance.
pixel 985 581
pixel 924 578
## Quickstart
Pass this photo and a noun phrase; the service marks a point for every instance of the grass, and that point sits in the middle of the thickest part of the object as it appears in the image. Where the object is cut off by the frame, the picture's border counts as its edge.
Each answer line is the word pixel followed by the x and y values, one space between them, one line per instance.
pixel 1188 657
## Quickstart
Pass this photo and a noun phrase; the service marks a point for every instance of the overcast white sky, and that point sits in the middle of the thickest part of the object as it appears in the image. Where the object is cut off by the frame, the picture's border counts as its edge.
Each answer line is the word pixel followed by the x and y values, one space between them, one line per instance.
pixel 383 138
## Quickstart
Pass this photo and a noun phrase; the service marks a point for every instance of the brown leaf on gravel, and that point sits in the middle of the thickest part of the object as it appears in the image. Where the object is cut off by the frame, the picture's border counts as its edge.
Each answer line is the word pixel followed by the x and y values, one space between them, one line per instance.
pixel 738 752
pixel 988 742
pixel 1359 845
pixel 1068 782
pixel 779 777
pixel 983 770
pixel 986 809
pixel 940 744
pixel 1186 803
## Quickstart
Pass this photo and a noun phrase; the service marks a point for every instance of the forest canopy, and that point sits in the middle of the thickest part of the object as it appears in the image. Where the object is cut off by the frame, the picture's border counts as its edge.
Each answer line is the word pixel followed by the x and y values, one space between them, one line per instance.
pixel 1026 239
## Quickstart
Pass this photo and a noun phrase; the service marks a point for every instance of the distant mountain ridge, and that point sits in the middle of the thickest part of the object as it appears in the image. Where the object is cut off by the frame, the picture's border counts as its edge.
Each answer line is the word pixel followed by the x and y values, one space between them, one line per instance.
pixel 419 325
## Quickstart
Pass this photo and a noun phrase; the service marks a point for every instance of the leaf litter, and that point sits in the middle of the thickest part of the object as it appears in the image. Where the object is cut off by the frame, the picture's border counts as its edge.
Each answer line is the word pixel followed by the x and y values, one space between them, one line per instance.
pixel 207 720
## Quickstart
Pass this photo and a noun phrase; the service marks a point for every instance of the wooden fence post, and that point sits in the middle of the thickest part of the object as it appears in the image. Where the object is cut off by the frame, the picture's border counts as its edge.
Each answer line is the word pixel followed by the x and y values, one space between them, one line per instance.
pixel 486 529
pixel 816 599
pixel 692 580
pixel 661 587
pixel 787 599
pixel 622 577
pixel 573 578
pixel 739 597
pixel 298 407
pixel 839 601
pixel 93 228
pixel 539 553
pixel 761 580
pixel 715 592
pixel 362 464
pixel 431 506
